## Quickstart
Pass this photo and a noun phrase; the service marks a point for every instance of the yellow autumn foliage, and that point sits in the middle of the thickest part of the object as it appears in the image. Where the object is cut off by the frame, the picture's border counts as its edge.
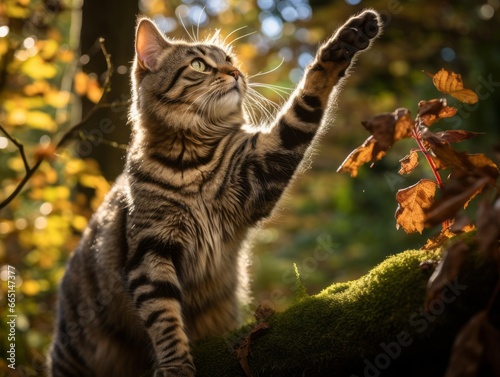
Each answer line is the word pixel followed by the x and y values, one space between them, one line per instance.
pixel 37 68
pixel 40 120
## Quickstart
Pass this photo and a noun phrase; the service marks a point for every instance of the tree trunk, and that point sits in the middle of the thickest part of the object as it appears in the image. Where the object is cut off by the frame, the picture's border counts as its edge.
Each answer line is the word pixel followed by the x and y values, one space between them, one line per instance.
pixel 115 21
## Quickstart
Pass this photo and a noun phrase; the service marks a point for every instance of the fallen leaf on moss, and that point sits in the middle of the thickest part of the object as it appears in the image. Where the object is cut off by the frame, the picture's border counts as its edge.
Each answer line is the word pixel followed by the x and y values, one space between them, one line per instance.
pixel 263 312
pixel 243 351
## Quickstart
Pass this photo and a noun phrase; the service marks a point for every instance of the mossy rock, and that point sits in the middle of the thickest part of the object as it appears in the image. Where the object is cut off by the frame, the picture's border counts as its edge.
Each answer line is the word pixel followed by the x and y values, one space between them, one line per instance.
pixel 373 326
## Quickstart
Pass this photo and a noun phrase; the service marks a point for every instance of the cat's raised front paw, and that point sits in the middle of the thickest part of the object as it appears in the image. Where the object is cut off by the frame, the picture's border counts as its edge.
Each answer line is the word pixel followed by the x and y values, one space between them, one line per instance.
pixel 354 36
pixel 175 371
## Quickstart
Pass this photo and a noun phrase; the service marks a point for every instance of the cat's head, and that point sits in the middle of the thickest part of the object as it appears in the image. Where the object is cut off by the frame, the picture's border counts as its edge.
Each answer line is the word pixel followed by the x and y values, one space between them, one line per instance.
pixel 174 81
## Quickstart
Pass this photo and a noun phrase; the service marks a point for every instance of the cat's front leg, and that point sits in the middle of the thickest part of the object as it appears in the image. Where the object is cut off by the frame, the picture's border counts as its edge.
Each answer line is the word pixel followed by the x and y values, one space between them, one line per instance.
pixel 276 155
pixel 153 283
pixel 180 371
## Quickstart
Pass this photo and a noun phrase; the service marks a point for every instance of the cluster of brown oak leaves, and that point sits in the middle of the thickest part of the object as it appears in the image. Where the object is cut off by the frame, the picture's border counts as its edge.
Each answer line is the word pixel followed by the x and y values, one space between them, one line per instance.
pixel 468 175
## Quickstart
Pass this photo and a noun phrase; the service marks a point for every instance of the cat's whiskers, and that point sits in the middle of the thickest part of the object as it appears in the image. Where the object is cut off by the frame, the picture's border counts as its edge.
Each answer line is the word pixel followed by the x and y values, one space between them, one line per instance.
pixel 267 72
pixel 279 90
pixel 257 102
pixel 231 33
pixel 284 89
pixel 198 24
pixel 179 17
pixel 208 106
pixel 240 37
pixel 254 104
pixel 204 91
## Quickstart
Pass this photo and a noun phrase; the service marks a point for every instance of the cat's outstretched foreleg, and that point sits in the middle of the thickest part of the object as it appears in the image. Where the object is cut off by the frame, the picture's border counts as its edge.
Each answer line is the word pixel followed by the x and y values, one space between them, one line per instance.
pixel 278 153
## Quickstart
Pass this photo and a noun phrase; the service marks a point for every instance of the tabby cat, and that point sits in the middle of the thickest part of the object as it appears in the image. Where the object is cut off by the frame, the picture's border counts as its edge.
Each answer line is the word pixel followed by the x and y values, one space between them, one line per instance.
pixel 162 263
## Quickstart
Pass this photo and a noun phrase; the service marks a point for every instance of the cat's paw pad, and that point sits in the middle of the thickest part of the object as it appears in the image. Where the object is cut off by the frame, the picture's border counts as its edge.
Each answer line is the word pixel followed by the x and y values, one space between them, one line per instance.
pixel 175 371
pixel 354 36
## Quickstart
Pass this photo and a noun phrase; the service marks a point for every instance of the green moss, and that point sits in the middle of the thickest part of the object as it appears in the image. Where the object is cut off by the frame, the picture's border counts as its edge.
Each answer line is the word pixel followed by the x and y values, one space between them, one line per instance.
pixel 340 330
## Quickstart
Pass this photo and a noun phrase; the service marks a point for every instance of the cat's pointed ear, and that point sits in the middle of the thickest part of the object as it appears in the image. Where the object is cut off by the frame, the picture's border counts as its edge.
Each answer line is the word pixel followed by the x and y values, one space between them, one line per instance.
pixel 149 44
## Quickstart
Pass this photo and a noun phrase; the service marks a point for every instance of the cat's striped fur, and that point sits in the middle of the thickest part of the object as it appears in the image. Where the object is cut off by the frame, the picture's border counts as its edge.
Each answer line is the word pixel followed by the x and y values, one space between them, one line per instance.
pixel 162 262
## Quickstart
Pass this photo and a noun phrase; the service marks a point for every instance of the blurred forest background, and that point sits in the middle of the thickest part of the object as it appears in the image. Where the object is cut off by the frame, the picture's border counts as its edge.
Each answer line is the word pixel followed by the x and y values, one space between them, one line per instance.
pixel 334 227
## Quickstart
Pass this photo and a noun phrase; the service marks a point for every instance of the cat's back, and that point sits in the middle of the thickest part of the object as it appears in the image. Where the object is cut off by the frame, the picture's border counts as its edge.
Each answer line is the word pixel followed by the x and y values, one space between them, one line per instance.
pixel 99 257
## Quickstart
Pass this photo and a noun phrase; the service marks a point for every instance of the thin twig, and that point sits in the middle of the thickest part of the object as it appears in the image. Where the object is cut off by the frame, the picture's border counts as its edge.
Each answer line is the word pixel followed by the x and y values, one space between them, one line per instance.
pixel 92 138
pixel 429 159
pixel 75 130
pixel 19 146
pixel 72 133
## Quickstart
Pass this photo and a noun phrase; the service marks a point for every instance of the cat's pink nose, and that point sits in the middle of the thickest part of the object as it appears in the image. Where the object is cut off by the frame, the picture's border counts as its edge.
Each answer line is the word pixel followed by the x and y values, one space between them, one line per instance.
pixel 231 71
pixel 235 74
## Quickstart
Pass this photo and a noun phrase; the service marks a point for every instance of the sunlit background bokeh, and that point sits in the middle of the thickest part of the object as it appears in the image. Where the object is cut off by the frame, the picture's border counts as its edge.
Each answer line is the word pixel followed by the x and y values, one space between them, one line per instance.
pixel 333 227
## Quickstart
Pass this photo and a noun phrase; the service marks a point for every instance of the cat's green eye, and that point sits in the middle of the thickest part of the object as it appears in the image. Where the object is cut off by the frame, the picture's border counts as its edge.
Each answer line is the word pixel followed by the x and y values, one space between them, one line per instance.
pixel 199 65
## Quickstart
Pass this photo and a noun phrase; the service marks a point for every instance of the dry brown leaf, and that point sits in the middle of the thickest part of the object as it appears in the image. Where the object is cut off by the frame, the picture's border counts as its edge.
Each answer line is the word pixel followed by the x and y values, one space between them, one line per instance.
pixel 409 163
pixel 456 136
pixel 367 152
pixel 438 240
pixel 476 344
pixel 447 112
pixel 428 265
pixel 488 227
pixel 382 129
pixel 470 174
pixel 386 129
pixel 447 156
pixel 243 351
pixel 412 202
pixel 450 158
pixel 484 165
pixel 46 152
pixel 468 349
pixel 447 270
pixel 452 84
pixel 457 192
pixel 437 162
pixel 433 106
pixel 431 111
pixel 263 312
pixel 461 224
pixel 404 125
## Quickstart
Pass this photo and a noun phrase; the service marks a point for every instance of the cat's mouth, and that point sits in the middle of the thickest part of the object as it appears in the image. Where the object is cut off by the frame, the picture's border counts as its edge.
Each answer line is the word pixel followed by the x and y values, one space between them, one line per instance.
pixel 230 89
pixel 235 87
